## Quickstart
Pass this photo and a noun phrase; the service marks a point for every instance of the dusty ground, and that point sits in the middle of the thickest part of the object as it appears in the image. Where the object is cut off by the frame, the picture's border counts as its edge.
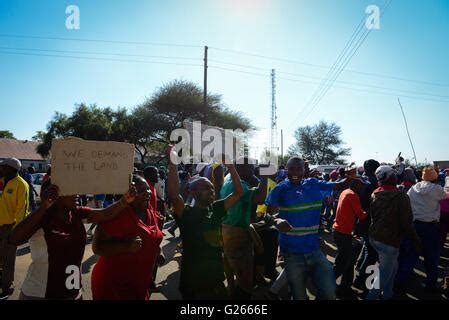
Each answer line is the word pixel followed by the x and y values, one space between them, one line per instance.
pixel 168 275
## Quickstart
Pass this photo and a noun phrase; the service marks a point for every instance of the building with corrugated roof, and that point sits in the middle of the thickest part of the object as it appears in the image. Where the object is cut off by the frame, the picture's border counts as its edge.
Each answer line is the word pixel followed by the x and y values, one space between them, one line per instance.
pixel 23 150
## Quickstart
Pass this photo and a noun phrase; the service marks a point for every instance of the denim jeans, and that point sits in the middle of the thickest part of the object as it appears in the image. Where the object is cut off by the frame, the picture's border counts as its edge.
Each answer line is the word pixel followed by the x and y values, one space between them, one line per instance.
pixel 429 234
pixel 299 266
pixel 388 266
pixel 368 257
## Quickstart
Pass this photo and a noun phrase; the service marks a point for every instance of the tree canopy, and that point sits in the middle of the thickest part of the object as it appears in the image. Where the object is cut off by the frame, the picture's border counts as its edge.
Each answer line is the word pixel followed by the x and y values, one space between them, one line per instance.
pixel 6 134
pixel 320 144
pixel 149 125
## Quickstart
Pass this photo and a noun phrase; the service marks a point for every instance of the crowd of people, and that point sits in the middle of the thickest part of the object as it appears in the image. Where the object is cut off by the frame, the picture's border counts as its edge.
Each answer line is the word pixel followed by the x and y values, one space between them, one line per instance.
pixel 240 230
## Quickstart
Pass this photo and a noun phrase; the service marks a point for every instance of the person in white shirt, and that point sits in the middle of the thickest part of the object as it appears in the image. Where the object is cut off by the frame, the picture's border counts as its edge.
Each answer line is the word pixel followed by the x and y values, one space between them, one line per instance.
pixel 425 197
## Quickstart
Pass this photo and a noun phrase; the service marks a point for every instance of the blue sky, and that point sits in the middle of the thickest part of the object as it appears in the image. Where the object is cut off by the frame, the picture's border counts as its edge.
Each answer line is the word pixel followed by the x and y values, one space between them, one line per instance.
pixel 410 44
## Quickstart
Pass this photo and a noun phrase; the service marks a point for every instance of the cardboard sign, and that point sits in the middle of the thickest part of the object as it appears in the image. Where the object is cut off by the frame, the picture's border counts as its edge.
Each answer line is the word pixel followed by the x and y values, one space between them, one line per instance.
pixel 91 167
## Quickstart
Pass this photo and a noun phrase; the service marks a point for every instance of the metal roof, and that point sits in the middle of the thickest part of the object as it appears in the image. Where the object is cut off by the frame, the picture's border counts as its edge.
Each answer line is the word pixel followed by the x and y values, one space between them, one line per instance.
pixel 22 150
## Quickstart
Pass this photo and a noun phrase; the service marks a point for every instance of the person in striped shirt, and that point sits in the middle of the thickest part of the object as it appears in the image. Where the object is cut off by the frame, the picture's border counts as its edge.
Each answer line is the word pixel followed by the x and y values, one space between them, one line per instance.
pixel 298 201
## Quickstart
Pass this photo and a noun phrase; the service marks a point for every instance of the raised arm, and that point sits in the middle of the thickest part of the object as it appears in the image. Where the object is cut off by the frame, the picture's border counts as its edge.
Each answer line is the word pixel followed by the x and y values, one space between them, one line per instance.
pixel 343 184
pixel 109 213
pixel 238 188
pixel 173 184
pixel 261 193
pixel 28 226
pixel 218 180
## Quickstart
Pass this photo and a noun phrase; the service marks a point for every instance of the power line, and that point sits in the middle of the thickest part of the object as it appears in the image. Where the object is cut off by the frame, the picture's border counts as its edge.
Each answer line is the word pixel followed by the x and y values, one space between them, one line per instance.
pixel 321 78
pixel 370 91
pixel 347 47
pixel 101 41
pixel 371 74
pixel 99 59
pixel 240 71
pixel 327 83
pixel 98 53
pixel 292 61
pixel 345 63
pixel 393 93
pixel 217 67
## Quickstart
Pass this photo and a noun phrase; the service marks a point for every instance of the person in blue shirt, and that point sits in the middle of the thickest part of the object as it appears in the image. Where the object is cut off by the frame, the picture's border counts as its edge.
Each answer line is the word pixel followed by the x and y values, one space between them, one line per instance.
pixel 298 201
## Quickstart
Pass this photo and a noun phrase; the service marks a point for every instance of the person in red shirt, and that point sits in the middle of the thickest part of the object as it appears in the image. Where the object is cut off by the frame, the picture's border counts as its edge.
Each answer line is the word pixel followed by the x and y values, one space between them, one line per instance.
pixel 151 175
pixel 128 247
pixel 348 210
pixel 57 239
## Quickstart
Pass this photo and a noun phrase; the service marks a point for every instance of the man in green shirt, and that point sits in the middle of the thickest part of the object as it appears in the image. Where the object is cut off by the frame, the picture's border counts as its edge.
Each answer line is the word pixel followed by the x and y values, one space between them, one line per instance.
pixel 202 272
pixel 239 236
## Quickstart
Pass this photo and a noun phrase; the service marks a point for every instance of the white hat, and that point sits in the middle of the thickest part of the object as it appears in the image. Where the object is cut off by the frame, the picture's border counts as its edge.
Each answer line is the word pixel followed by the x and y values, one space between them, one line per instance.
pixel 12 162
pixel 383 173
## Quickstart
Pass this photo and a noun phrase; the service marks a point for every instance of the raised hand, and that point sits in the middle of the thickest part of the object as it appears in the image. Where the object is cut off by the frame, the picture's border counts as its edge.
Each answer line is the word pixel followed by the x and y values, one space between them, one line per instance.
pixel 169 151
pixel 49 196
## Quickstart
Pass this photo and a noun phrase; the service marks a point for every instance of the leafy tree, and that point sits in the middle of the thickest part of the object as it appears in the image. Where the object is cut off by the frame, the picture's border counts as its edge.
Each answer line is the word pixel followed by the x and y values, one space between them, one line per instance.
pixel 149 125
pixel 6 134
pixel 320 144
pixel 86 122
pixel 39 136
pixel 168 108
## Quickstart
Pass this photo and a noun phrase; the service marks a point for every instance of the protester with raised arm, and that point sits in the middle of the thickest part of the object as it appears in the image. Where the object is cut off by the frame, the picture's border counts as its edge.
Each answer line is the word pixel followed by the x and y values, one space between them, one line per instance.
pixel 239 237
pixel 202 272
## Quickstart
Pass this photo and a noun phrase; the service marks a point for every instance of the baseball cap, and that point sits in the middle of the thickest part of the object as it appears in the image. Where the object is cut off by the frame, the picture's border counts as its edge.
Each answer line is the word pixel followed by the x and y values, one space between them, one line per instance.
pixel 12 162
pixel 383 173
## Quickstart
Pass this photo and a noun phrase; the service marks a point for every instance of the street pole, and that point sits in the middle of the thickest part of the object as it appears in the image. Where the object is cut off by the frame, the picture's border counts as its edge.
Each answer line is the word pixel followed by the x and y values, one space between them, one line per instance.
pixel 408 133
pixel 282 147
pixel 205 77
